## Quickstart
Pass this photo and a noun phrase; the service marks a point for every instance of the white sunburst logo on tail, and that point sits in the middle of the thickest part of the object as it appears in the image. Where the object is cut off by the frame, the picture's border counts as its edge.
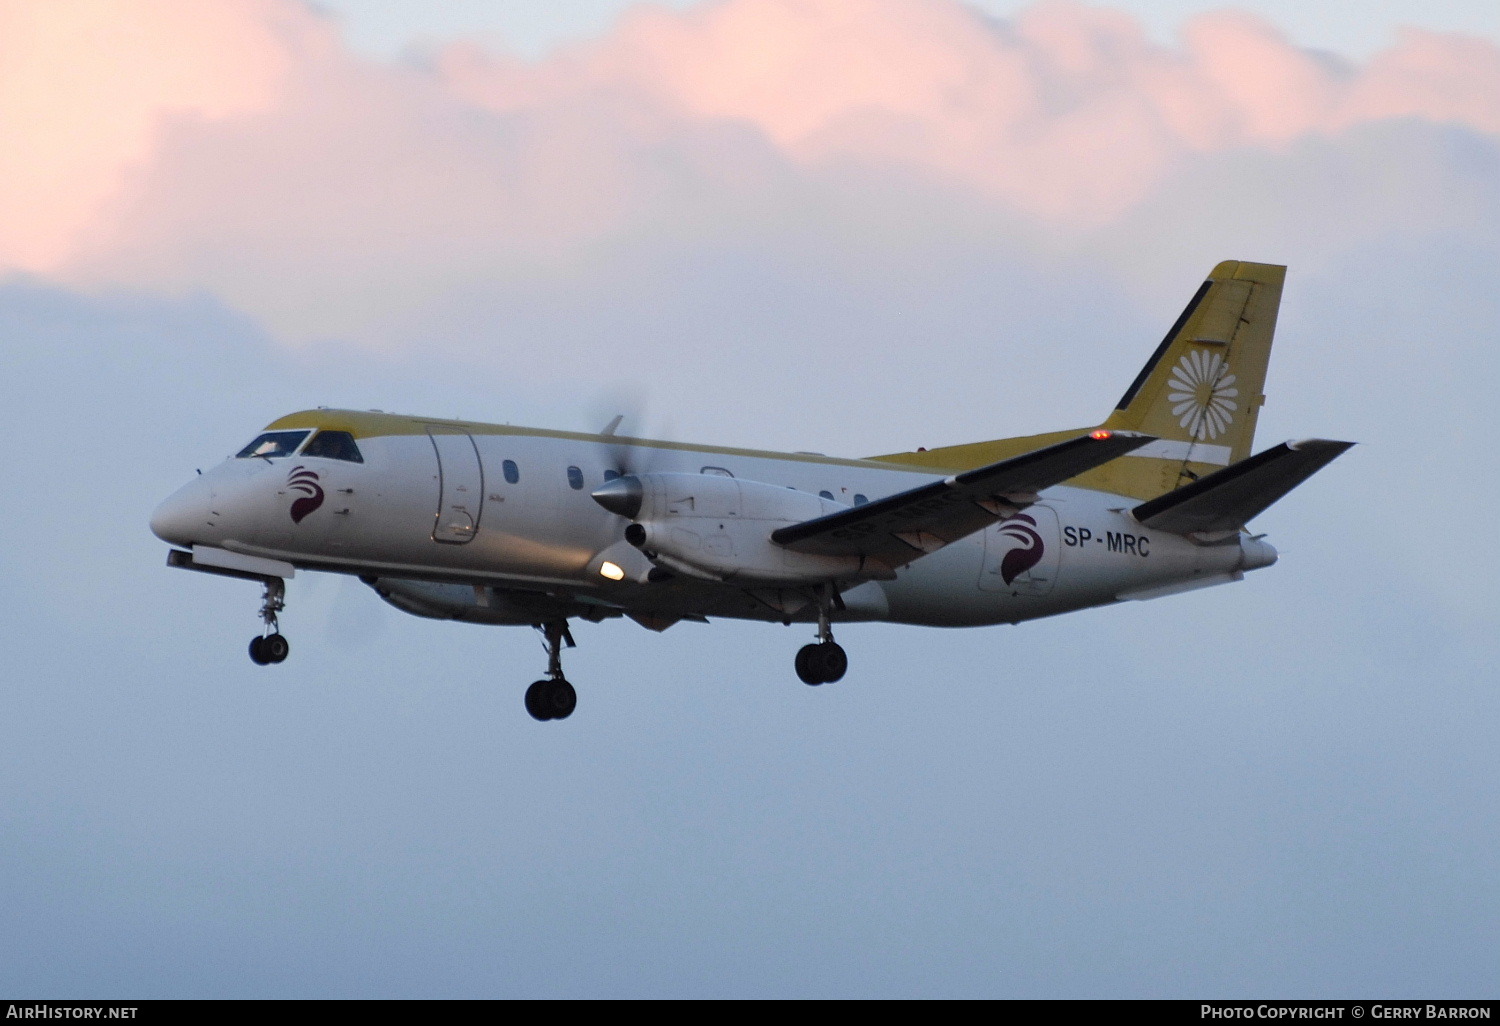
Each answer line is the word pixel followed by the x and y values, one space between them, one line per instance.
pixel 1202 396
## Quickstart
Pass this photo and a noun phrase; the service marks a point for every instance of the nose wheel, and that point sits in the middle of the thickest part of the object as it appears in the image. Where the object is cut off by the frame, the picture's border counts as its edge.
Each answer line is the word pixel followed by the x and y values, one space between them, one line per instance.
pixel 824 661
pixel 553 698
pixel 271 647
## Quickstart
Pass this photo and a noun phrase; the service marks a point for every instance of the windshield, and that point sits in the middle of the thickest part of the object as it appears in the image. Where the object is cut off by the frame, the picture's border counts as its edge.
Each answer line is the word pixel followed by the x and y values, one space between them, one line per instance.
pixel 273 444
pixel 334 445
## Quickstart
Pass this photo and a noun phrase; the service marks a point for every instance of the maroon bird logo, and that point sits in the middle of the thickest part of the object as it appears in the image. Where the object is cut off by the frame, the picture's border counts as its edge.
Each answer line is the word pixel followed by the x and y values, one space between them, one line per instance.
pixel 305 481
pixel 1019 560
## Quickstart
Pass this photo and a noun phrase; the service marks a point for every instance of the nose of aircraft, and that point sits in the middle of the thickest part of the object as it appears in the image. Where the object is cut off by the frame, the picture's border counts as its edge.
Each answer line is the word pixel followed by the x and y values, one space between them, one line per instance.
pixel 184 514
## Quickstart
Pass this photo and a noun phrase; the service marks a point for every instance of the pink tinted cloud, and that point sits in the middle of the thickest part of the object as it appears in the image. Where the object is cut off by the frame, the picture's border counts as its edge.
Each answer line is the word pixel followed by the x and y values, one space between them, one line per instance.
pixel 85 86
pixel 187 143
pixel 1429 75
pixel 1068 113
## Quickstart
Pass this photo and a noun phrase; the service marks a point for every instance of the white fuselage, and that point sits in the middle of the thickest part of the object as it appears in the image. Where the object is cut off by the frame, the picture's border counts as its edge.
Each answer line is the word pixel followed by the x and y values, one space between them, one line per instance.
pixel 455 526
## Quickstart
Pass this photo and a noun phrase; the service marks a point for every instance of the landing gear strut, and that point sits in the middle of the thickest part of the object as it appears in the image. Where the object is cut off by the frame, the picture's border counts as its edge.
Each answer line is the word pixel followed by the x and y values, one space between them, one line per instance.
pixel 553 698
pixel 270 646
pixel 825 661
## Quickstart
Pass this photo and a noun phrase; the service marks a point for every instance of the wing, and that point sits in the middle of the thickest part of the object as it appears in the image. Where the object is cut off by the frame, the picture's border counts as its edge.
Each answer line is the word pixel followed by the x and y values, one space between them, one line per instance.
pixel 1227 499
pixel 899 528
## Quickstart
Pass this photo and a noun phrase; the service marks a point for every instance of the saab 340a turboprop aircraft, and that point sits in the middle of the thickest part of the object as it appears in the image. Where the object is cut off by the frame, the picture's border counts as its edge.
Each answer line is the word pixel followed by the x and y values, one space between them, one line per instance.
pixel 505 525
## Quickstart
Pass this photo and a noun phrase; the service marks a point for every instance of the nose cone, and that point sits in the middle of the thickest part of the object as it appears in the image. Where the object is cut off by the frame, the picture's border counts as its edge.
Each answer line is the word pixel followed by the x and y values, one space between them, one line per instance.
pixel 184 515
pixel 623 495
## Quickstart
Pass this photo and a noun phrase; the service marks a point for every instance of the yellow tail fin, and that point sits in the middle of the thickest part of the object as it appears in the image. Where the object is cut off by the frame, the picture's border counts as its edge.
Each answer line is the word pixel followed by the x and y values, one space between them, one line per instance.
pixel 1200 393
pixel 1202 389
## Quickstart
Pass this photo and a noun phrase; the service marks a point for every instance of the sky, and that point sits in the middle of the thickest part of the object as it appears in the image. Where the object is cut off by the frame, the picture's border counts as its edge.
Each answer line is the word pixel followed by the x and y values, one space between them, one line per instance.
pixel 787 224
pixel 387 27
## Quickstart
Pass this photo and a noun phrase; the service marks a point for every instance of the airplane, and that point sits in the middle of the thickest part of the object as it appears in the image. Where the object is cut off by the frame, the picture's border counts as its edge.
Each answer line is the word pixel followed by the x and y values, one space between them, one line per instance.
pixel 494 524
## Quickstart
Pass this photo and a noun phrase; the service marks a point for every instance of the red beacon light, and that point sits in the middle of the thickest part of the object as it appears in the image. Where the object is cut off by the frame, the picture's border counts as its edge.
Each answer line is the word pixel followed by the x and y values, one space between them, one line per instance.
pixel 1101 434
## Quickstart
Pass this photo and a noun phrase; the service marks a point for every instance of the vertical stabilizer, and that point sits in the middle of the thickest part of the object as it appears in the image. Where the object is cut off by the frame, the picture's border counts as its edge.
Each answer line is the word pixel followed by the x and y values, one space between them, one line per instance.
pixel 1201 391
pixel 1199 394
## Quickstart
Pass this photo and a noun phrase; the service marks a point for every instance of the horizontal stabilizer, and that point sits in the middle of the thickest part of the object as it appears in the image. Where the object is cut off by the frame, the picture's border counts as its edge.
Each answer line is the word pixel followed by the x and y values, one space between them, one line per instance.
pixel 1227 499
pixel 899 528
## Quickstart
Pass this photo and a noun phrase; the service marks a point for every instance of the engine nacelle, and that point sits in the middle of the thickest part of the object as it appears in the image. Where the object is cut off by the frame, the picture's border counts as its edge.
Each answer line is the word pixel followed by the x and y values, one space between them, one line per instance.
pixel 719 527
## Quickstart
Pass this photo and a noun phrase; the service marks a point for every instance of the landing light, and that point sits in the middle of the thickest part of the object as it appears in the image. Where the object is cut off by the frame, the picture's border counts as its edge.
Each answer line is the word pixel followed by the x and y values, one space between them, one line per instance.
pixel 610 570
pixel 1101 434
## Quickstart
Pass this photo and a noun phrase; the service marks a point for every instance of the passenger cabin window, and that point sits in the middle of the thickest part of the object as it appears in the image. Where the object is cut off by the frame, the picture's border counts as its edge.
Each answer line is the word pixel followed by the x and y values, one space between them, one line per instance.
pixel 716 472
pixel 575 478
pixel 334 445
pixel 826 494
pixel 512 472
pixel 860 500
pixel 610 475
pixel 273 444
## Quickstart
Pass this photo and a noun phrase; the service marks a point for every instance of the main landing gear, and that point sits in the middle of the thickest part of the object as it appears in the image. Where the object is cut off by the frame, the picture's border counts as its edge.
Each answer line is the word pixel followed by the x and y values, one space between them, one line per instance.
pixel 270 646
pixel 553 698
pixel 824 661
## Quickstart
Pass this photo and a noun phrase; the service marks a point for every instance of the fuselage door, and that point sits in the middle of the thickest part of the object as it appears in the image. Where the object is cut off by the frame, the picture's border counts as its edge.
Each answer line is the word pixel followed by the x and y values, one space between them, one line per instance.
pixel 460 485
pixel 1021 553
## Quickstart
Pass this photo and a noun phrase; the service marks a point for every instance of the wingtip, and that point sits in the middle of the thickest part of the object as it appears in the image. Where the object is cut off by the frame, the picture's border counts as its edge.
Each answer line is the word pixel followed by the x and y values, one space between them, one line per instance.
pixel 1300 444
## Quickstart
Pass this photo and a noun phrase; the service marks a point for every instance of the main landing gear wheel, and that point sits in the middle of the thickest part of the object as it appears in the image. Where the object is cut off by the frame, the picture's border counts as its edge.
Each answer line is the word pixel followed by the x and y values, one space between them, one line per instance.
pixel 821 663
pixel 824 661
pixel 553 698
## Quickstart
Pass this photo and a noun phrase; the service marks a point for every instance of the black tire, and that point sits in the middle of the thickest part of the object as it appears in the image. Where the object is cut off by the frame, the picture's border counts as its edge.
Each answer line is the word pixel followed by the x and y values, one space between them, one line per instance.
pixel 257 656
pixel 274 648
pixel 808 669
pixel 561 699
pixel 535 701
pixel 831 661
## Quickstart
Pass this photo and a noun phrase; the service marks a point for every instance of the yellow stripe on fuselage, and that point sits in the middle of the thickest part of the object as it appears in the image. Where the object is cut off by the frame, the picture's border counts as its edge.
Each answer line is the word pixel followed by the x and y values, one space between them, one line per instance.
pixel 370 424
pixel 1134 478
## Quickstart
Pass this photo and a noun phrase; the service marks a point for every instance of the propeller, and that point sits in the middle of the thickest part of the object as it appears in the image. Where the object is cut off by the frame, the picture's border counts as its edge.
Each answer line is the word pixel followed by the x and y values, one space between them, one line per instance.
pixel 623 407
pixel 625 461
pixel 622 491
pixel 622 494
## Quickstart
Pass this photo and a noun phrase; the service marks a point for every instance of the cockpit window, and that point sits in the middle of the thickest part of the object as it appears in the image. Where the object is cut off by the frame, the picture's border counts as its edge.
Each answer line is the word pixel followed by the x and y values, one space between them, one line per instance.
pixel 273 444
pixel 334 445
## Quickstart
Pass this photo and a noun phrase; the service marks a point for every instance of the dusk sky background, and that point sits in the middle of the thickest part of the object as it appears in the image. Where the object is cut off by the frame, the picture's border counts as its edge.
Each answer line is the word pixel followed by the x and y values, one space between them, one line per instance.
pixel 852 227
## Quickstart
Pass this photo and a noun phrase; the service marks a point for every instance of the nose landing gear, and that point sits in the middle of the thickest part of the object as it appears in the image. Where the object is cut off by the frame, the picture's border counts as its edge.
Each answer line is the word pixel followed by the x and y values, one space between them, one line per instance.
pixel 824 661
pixel 553 698
pixel 271 647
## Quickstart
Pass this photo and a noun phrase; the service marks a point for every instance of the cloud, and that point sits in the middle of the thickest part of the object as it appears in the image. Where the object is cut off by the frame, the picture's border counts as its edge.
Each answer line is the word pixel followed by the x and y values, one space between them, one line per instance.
pixel 1067 113
pixel 87 86
pixel 239 147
